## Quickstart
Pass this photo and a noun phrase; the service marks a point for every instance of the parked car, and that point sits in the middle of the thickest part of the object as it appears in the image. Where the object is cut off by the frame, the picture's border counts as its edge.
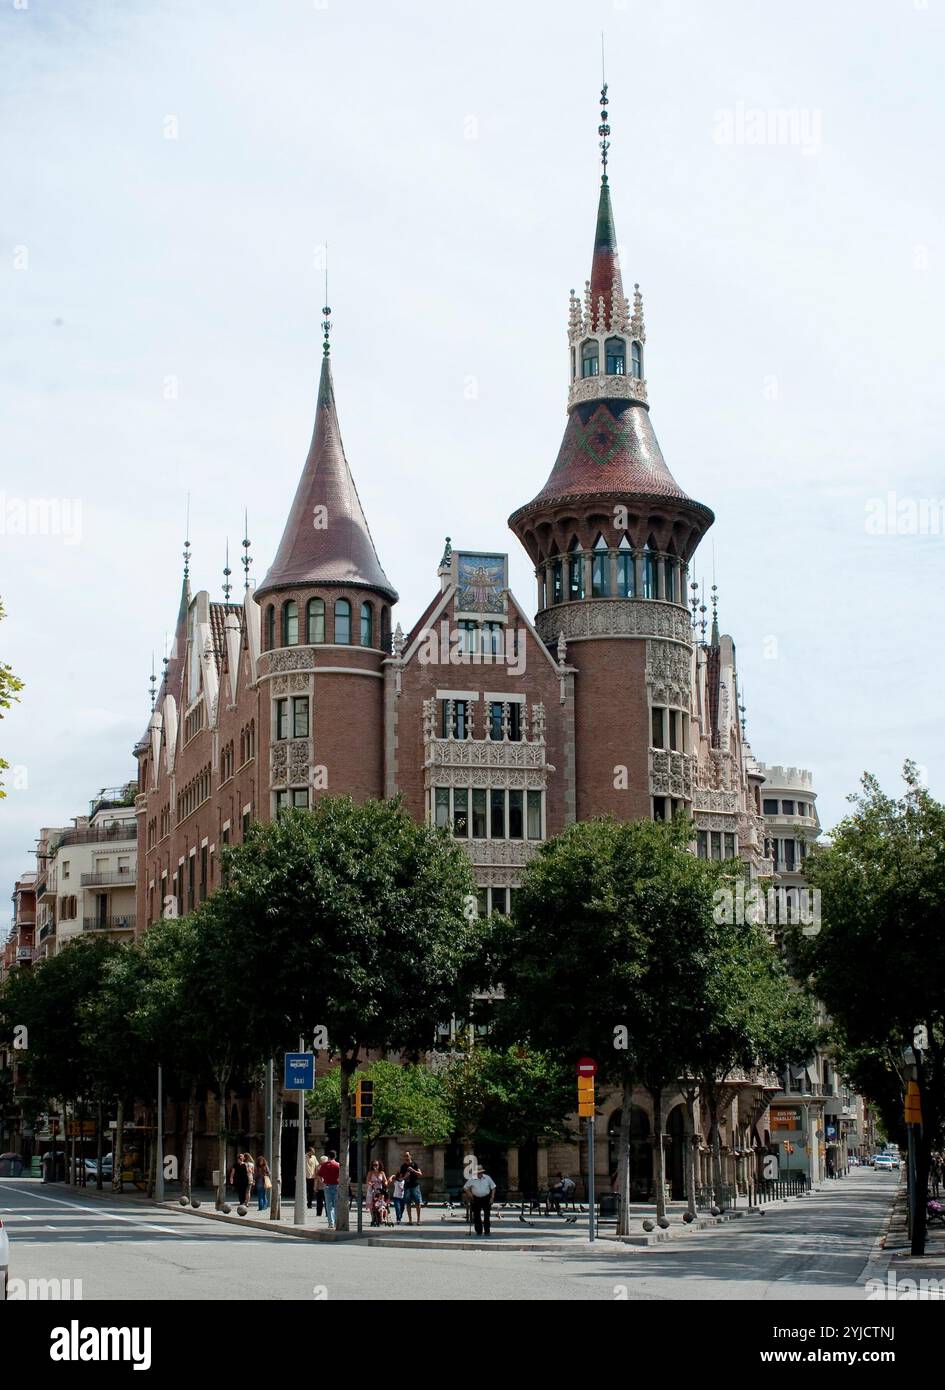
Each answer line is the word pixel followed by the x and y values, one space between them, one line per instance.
pixel 883 1163
pixel 4 1262
pixel 108 1166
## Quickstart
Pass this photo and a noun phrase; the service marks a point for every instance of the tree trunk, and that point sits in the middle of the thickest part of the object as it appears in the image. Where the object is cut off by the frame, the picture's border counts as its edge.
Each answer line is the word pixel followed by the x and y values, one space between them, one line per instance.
pixel 220 1196
pixel 119 1147
pixel 623 1163
pixel 187 1161
pixel 73 1178
pixel 275 1158
pixel 691 1154
pixel 99 1147
pixel 659 1153
pixel 349 1066
pixel 715 1143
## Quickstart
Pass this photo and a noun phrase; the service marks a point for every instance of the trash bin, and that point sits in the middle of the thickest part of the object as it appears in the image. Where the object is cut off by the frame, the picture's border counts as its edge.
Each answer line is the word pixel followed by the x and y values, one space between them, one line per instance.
pixel 609 1204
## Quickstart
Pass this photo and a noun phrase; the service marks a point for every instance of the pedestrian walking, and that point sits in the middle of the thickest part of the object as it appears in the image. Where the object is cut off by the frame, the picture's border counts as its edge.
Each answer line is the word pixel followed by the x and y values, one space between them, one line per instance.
pixel 398 1197
pixel 329 1172
pixel 377 1192
pixel 481 1190
pixel 320 1186
pixel 263 1184
pixel 311 1166
pixel 241 1179
pixel 413 1197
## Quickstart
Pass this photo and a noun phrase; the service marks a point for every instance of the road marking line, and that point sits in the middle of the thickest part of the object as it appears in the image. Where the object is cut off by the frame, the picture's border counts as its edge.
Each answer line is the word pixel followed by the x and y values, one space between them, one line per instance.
pixel 77 1206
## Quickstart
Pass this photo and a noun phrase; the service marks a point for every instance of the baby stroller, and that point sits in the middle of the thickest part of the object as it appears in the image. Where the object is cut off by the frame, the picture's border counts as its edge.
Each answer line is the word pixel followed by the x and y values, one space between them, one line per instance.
pixel 935 1211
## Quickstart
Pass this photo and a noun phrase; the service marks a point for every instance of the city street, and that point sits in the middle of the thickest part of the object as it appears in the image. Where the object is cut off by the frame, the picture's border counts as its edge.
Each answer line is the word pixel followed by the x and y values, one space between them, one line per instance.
pixel 814 1248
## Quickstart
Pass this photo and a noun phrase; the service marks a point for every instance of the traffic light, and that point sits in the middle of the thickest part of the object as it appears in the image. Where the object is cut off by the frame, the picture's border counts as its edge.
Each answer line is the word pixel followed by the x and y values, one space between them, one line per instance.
pixel 585 1097
pixel 364 1100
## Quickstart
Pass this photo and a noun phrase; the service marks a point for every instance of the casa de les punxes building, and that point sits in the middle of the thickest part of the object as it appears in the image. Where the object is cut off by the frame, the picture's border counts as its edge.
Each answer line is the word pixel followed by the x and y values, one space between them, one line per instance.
pixel 502 717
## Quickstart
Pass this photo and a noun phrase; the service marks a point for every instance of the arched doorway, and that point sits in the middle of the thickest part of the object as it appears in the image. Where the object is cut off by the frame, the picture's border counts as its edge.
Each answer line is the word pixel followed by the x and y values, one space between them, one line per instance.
pixel 641 1151
pixel 676 1141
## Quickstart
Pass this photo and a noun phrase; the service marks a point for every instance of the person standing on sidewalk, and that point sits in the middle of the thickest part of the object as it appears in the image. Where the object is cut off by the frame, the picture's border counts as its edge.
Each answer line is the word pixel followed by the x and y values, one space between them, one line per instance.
pixel 320 1186
pixel 311 1166
pixel 481 1190
pixel 241 1175
pixel 263 1184
pixel 398 1197
pixel 329 1172
pixel 410 1175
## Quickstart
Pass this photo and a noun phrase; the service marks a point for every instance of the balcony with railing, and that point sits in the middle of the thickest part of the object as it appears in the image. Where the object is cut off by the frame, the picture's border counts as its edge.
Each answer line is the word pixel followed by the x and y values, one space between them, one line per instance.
pixel 123 923
pixel 99 834
pixel 109 878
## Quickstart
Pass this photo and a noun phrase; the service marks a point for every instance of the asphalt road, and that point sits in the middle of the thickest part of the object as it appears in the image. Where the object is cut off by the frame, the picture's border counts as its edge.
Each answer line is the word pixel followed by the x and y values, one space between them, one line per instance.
pixel 816 1247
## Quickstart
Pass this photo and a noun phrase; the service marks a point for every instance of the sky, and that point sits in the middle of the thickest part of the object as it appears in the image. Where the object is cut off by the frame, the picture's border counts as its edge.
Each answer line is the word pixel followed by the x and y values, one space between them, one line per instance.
pixel 173 174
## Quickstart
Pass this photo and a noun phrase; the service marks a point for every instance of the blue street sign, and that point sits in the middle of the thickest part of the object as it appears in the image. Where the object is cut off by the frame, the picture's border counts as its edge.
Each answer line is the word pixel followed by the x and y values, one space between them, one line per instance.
pixel 299 1071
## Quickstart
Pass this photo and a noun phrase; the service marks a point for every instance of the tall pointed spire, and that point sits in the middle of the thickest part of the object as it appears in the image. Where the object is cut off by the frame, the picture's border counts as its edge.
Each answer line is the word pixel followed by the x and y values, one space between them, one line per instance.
pixel 327 539
pixel 606 283
pixel 247 559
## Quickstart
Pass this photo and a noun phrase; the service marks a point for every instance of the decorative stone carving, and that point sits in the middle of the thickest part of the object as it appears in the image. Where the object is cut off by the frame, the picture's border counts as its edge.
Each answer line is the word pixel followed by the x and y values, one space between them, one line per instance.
pixel 668 673
pixel 707 822
pixel 485 753
pixel 538 723
pixel 615 617
pixel 292 659
pixel 712 799
pixel 613 388
pixel 278 763
pixel 504 853
pixel 671 773
pixel 298 760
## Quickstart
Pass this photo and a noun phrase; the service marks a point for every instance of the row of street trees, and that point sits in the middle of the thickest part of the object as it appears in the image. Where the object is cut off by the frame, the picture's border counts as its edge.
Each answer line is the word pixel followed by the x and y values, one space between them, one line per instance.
pixel 357 924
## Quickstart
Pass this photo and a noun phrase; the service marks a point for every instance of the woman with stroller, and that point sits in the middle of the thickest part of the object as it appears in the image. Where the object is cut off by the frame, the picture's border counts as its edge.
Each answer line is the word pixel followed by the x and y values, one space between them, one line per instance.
pixel 377 1193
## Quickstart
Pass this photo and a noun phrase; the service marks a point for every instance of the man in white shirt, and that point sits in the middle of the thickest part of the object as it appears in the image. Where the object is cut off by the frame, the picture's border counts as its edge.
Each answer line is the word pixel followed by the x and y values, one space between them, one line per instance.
pixel 481 1189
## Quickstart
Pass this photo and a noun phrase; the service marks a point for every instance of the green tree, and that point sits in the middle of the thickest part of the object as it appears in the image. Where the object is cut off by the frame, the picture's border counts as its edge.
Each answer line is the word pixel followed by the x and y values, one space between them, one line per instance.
pixel 509 1096
pixel 408 1099
pixel 608 936
pixel 353 920
pixel 10 687
pixel 878 962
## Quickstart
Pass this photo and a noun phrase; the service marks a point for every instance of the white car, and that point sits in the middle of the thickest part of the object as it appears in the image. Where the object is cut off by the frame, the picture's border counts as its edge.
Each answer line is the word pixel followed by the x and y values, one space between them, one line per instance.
pixel 4 1262
pixel 884 1163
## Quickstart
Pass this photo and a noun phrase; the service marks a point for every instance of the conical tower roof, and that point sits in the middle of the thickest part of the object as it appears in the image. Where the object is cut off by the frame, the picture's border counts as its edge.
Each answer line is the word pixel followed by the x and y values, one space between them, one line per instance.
pixel 327 540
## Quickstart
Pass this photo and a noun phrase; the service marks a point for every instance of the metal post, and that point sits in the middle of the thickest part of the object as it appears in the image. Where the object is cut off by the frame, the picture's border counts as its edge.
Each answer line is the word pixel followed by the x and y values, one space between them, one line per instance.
pixel 591 1209
pixel 269 1088
pixel 159 1165
pixel 300 1157
pixel 910 1177
pixel 360 1124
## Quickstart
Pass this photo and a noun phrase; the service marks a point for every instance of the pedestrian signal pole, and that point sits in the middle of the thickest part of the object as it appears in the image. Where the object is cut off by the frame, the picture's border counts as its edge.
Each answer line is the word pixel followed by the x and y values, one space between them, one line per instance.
pixel 586 1071
pixel 363 1110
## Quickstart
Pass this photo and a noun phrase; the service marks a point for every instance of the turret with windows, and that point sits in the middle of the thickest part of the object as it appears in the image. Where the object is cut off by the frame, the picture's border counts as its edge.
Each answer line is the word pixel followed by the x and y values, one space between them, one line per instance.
pixel 611 535
pixel 326 605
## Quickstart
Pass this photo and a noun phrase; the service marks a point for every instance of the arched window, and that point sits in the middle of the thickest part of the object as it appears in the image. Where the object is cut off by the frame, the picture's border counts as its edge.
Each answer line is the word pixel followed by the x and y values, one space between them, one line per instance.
pixel 600 570
pixel 270 628
pixel 385 629
pixel 576 568
pixel 342 621
pixel 649 572
pixel 290 623
pixel 590 358
pixel 367 625
pixel 626 585
pixel 636 358
pixel 615 351
pixel 315 615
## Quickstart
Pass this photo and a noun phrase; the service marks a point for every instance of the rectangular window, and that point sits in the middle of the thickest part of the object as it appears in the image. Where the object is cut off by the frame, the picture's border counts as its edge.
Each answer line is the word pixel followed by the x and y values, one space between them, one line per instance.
pixel 282 719
pixel 659 808
pixel 300 716
pixel 656 738
pixel 516 812
pixel 729 846
pixel 461 811
pixel 203 872
pixel 467 638
pixel 702 847
pixel 499 900
pixel 716 844
pixel 282 802
pixel 787 808
pixel 515 721
pixel 497 814
pixel 245 824
pixel 789 854
pixel 776 852
pixel 495 719
pixel 600 574
pixel 191 865
pixel 479 813
pixel 675 730
pixel 492 639
pixel 670 581
pixel 576 587
pixel 769 807
pixel 300 798
pixel 534 815
pixel 441 812
pixel 625 575
pixel 482 902
pixel 455 726
pixel 556 592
